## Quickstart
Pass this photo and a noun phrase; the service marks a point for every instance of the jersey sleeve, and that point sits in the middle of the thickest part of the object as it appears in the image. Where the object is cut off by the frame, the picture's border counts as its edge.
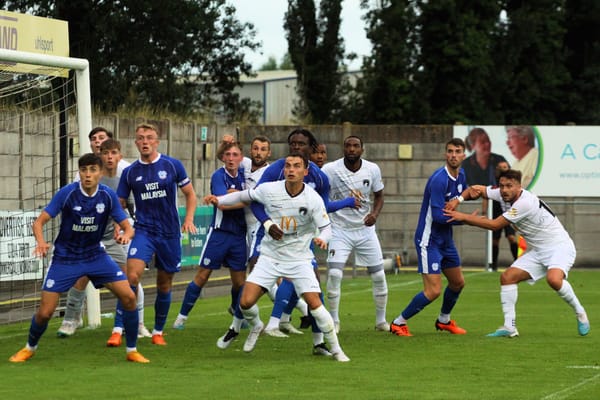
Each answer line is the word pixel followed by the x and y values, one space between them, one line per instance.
pixel 182 176
pixel 117 213
pixel 218 185
pixel 123 189
pixel 55 205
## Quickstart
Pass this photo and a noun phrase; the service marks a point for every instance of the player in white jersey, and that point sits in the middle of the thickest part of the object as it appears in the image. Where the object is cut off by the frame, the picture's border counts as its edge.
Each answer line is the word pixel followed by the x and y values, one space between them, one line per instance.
pixel 550 250
pixel 354 228
pixel 299 210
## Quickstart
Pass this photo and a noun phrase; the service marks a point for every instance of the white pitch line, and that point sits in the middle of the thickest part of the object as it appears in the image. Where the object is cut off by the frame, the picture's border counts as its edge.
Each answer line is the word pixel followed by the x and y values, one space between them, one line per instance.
pixel 568 392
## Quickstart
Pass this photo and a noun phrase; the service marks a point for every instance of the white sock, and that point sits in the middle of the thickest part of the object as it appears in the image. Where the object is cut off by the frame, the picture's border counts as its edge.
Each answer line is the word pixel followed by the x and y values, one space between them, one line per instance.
pixel 334 291
pixel 140 302
pixel 251 315
pixel 380 295
pixel 568 295
pixel 73 309
pixel 273 323
pixel 508 298
pixel 325 324
pixel 273 292
pixel 285 318
pixel 117 329
pixel 317 338
pixel 302 307
pixel 236 324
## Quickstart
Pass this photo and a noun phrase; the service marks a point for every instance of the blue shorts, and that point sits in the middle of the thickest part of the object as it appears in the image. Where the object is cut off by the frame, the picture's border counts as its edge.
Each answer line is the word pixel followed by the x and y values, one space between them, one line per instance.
pixel 61 277
pixel 255 245
pixel 223 248
pixel 167 251
pixel 433 259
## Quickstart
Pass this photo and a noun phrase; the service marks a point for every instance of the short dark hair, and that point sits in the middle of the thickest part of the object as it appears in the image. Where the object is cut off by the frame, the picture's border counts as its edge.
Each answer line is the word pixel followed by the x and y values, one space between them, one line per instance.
pixel 458 142
pixel 312 140
pixel 100 129
pixel 301 155
pixel 354 137
pixel 511 174
pixel 261 138
pixel 110 144
pixel 89 159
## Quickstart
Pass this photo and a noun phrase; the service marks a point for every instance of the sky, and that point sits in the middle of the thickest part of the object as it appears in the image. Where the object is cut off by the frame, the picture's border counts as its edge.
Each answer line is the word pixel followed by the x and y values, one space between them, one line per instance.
pixel 267 17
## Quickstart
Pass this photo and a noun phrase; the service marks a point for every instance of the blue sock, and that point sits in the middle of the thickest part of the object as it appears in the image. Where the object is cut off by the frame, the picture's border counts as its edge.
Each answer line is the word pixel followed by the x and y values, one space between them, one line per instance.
pixel 236 306
pixel 189 299
pixel 35 332
pixel 282 297
pixel 119 315
pixel 289 308
pixel 161 309
pixel 131 320
pixel 314 326
pixel 235 297
pixel 418 303
pixel 450 298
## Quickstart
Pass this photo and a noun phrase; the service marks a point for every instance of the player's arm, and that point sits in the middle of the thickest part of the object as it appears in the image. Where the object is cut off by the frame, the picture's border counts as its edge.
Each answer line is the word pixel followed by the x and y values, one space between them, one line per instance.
pixel 475 220
pixel 41 246
pixel 190 209
pixel 471 193
pixel 125 233
pixel 324 237
pixel 371 217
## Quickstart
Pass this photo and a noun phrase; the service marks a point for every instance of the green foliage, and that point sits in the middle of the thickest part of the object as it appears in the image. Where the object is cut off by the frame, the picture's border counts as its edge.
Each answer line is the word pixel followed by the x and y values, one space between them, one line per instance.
pixel 316 50
pixel 549 360
pixel 177 55
pixel 270 65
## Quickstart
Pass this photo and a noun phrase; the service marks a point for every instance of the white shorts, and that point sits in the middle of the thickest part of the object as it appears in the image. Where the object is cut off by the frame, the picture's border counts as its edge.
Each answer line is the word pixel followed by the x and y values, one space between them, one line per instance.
pixel 537 261
pixel 364 242
pixel 116 251
pixel 267 270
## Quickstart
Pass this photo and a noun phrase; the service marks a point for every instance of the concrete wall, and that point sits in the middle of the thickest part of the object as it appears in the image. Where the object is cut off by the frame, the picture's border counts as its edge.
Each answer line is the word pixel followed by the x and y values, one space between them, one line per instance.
pixel 404 178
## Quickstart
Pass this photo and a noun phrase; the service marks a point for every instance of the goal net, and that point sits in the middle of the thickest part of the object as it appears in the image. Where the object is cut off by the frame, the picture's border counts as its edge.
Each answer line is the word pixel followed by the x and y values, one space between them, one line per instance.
pixel 44 121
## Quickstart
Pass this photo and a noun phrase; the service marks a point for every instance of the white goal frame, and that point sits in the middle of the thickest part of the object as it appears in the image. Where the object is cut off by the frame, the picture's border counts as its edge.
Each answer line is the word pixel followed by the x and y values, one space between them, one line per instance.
pixel 84 122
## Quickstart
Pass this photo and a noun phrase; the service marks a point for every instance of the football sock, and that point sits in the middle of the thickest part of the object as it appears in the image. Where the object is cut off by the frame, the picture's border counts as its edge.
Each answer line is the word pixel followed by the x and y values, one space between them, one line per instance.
pixel 118 316
pixel 334 291
pixel 508 299
pixel 450 299
pixel 140 302
pixel 75 298
pixel 325 323
pixel 292 302
pixel 131 322
pixel 568 295
pixel 35 332
pixel 419 302
pixel 192 292
pixel 380 295
pixel 161 309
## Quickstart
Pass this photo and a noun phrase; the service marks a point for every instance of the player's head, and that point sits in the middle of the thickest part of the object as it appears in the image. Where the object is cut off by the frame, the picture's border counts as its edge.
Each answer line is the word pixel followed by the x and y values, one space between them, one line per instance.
pixel 110 152
pixel 455 152
pixel 146 140
pixel 302 140
pixel 501 167
pixel 97 136
pixel 296 166
pixel 510 185
pixel 231 155
pixel 319 156
pixel 260 150
pixel 90 171
pixel 353 149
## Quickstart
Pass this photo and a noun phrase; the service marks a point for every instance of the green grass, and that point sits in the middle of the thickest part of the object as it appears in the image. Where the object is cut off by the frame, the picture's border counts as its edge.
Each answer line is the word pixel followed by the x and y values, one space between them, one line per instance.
pixel 548 361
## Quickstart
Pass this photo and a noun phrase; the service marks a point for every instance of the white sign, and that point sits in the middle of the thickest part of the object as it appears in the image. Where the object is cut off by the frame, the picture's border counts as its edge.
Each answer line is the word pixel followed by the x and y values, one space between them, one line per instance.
pixel 568 158
pixel 16 247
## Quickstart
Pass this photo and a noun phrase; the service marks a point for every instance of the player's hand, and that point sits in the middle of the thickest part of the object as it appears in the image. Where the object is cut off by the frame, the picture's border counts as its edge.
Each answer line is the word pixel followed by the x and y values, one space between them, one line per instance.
pixel 121 238
pixel 370 219
pixel 451 205
pixel 210 199
pixel 41 249
pixel 275 232
pixel 189 227
pixel 227 138
pixel 321 243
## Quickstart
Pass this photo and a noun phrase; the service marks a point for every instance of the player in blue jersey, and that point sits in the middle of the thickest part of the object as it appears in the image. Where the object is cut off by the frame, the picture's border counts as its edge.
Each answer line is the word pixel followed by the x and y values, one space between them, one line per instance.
pixel 225 243
pixel 436 252
pixel 153 180
pixel 85 207
pixel 299 211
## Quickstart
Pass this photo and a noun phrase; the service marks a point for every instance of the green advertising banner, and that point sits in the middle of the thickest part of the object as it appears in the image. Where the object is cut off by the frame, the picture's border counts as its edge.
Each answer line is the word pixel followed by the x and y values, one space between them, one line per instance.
pixel 191 244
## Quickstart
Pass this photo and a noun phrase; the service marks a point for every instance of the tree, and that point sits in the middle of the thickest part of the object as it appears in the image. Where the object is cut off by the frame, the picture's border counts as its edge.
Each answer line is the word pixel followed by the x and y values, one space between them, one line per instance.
pixel 531 61
pixel 270 65
pixel 582 42
pixel 384 93
pixel 178 56
pixel 455 65
pixel 316 50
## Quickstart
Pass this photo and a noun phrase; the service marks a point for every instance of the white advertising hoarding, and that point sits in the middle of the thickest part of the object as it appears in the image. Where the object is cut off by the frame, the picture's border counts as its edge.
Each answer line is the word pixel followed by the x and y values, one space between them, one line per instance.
pixel 568 162
pixel 16 247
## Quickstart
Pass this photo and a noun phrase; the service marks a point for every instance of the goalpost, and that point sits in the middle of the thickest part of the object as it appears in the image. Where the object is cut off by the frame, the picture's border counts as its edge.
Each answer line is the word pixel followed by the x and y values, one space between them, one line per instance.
pixel 83 122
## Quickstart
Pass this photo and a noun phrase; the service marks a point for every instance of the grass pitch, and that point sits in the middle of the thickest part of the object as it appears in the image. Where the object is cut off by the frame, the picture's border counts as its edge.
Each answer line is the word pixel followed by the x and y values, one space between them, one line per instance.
pixel 548 361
